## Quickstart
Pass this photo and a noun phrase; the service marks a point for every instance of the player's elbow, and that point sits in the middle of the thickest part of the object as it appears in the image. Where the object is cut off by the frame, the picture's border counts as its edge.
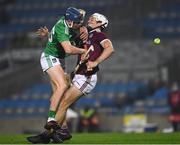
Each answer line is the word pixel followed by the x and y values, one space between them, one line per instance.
pixel 68 49
pixel 111 50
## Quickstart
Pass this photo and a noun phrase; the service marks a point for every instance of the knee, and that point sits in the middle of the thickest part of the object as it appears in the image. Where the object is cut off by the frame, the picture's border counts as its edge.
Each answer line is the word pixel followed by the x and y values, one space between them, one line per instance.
pixel 64 86
pixel 61 86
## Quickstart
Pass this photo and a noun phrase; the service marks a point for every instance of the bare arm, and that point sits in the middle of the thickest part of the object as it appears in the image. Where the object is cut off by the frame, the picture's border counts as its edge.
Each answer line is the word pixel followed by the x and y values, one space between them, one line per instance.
pixel 70 49
pixel 43 32
pixel 108 50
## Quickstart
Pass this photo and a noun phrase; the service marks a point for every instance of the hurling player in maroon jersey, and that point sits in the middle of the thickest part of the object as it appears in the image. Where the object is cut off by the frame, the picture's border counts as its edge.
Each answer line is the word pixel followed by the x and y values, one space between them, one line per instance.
pixel 86 77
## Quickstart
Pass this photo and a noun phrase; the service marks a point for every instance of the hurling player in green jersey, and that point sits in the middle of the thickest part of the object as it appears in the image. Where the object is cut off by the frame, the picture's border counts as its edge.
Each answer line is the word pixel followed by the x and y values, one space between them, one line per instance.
pixel 52 58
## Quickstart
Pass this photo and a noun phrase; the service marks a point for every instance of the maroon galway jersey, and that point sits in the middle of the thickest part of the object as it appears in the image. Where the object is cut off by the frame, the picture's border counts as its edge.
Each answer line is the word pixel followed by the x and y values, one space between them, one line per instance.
pixel 95 39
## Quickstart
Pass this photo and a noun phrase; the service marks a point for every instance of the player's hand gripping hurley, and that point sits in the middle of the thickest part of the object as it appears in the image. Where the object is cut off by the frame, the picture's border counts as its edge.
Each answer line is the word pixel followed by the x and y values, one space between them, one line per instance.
pixel 91 48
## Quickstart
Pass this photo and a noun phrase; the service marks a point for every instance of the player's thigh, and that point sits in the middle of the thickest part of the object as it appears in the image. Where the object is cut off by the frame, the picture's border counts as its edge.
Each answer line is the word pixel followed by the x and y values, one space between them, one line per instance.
pixel 70 96
pixel 85 83
pixel 56 74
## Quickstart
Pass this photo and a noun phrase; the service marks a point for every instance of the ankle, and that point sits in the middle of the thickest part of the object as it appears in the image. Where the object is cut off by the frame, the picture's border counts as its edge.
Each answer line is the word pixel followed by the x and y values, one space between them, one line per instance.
pixel 52 125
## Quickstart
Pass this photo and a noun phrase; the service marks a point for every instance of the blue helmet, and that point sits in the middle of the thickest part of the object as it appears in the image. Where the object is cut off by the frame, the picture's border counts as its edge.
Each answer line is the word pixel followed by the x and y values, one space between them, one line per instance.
pixel 74 15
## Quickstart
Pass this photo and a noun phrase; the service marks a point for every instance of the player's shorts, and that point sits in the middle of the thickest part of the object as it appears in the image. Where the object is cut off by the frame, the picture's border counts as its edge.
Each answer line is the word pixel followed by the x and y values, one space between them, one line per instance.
pixel 48 61
pixel 85 83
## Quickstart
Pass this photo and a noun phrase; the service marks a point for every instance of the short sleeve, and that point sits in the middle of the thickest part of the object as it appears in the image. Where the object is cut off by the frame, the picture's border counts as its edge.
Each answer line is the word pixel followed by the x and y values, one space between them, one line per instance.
pixel 101 37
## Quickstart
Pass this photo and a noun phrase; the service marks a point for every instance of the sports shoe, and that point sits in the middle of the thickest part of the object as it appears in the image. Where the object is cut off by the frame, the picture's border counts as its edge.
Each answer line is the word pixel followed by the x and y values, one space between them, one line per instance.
pixel 53 127
pixel 43 137
pixel 65 134
pixel 56 138
pixel 62 134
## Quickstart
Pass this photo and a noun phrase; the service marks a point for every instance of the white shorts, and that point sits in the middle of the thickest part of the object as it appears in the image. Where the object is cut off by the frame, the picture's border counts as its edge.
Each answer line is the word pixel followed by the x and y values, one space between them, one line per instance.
pixel 48 61
pixel 85 83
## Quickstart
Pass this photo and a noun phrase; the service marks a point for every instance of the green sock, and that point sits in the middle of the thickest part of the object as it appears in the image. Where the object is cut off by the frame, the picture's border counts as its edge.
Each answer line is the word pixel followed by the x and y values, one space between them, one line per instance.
pixel 52 114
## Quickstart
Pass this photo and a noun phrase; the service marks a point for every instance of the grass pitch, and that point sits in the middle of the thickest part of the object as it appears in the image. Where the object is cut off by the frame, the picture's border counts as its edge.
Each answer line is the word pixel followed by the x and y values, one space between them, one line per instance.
pixel 105 138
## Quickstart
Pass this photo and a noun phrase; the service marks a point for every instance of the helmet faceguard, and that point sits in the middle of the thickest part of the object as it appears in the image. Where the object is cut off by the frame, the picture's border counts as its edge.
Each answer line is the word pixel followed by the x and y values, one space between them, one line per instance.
pixel 83 13
pixel 101 18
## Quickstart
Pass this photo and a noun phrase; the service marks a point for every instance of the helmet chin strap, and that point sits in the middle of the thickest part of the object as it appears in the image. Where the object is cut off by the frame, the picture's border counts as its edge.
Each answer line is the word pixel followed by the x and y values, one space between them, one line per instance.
pixel 70 24
pixel 91 29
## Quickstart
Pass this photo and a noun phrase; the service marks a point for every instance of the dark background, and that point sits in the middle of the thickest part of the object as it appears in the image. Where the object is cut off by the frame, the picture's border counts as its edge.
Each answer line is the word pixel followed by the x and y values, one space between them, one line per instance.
pixel 137 79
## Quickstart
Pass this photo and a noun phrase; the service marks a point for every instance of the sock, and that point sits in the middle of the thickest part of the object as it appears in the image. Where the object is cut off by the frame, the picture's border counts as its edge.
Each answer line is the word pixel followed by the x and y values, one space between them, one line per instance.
pixel 51 116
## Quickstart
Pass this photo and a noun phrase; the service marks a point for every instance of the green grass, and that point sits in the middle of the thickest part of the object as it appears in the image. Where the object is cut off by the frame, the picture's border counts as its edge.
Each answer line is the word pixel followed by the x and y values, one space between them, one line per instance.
pixel 105 138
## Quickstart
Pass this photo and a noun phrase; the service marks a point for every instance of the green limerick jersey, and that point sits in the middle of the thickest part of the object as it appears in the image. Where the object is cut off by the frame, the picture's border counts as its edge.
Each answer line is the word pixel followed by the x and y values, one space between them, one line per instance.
pixel 59 33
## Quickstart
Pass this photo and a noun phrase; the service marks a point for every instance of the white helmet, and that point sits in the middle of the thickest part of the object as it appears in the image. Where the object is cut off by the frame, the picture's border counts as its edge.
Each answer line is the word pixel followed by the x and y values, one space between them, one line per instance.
pixel 101 18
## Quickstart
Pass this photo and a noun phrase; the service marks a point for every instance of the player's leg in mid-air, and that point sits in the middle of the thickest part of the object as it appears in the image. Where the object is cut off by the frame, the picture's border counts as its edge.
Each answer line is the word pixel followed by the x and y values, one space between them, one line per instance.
pixel 81 85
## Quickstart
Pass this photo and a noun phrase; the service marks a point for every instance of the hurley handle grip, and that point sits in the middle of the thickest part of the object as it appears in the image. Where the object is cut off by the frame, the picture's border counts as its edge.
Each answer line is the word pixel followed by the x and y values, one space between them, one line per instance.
pixel 91 48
